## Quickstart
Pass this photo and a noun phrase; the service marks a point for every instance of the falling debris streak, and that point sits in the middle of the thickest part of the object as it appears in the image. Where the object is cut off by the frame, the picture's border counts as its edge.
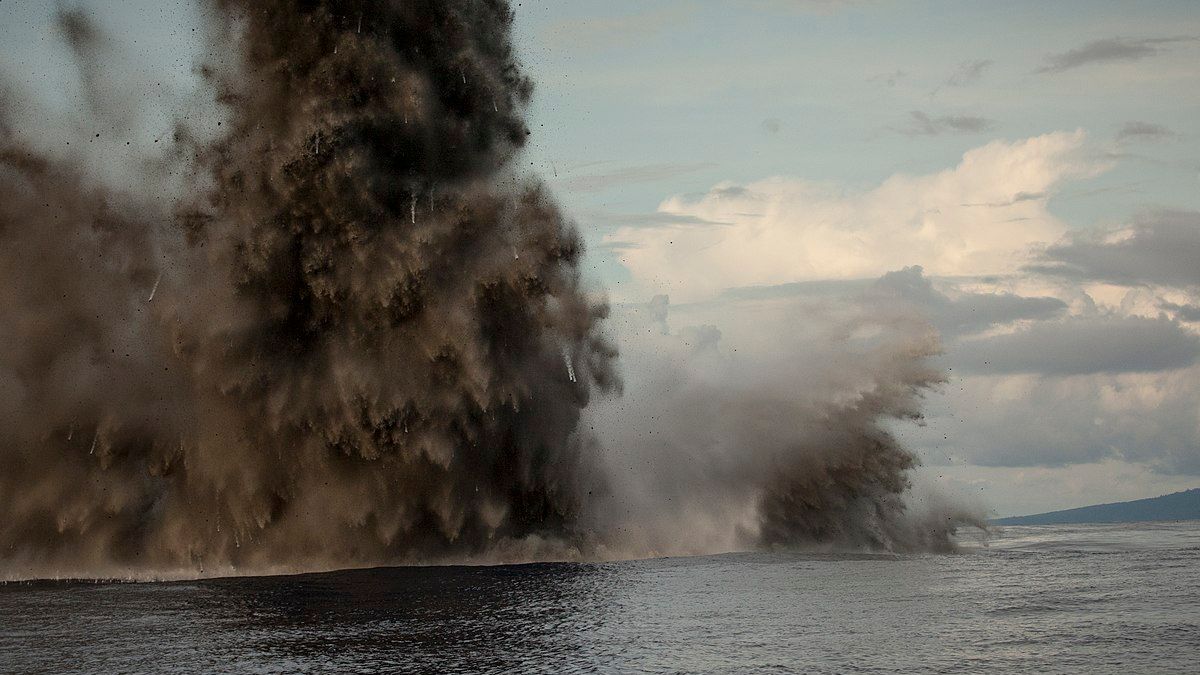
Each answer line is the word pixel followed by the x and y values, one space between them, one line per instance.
pixel 570 366
pixel 154 289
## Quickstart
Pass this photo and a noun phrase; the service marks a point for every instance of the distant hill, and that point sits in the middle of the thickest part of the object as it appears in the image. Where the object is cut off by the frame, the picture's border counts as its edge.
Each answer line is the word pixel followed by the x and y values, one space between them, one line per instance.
pixel 1178 506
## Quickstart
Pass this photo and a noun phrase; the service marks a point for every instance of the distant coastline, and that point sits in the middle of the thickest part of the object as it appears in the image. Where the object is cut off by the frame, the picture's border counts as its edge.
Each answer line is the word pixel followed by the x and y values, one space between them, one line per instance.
pixel 1176 506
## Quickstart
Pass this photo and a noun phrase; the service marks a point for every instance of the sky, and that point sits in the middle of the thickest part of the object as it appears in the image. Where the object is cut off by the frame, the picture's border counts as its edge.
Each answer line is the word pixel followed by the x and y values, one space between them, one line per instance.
pixel 1025 176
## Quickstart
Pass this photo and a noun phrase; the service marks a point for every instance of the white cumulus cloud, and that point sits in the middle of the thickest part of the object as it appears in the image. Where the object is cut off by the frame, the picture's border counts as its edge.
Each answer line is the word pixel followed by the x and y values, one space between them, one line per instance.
pixel 979 217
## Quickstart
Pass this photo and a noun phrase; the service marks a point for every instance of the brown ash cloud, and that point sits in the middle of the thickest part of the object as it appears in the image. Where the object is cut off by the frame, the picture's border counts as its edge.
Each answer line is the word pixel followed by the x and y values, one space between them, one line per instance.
pixel 346 343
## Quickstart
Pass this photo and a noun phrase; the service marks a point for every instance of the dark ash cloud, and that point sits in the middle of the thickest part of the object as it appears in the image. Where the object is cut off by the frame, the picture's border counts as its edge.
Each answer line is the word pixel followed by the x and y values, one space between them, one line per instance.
pixel 1108 50
pixel 358 336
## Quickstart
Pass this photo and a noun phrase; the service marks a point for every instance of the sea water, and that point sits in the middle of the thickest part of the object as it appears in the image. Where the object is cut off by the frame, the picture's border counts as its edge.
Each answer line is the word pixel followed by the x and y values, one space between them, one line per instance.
pixel 1065 599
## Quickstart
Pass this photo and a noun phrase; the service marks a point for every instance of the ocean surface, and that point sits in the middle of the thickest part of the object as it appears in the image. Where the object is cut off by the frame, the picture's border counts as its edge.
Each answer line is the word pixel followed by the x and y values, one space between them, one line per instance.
pixel 1063 599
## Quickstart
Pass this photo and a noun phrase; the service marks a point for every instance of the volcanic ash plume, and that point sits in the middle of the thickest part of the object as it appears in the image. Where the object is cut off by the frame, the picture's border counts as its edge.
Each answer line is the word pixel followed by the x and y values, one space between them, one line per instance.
pixel 328 322
pixel 358 336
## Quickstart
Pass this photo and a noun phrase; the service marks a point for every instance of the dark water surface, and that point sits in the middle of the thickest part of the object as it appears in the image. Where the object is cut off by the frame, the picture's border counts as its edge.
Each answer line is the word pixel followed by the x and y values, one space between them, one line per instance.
pixel 1095 599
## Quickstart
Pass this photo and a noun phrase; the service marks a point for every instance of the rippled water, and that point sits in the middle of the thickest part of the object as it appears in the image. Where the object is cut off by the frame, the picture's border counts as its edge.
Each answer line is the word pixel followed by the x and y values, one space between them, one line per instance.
pixel 1090 599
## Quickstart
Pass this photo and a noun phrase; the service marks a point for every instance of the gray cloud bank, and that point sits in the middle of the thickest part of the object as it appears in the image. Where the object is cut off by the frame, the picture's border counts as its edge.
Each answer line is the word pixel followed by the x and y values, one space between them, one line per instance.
pixel 1030 384
pixel 1161 248
pixel 964 313
pixel 1108 50
pixel 1056 422
pixel 1083 345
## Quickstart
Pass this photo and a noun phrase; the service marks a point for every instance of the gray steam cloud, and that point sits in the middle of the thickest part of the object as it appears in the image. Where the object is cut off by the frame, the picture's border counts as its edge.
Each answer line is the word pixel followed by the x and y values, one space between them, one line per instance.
pixel 773 429
pixel 345 329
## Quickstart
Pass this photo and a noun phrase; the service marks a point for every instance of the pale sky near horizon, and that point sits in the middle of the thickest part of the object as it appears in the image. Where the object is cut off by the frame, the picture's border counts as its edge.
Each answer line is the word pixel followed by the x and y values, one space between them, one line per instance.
pixel 1039 161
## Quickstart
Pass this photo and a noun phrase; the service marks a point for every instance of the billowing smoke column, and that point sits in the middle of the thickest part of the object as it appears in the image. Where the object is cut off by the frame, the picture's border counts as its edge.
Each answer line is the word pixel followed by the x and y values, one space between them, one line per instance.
pixel 343 328
pixel 346 345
